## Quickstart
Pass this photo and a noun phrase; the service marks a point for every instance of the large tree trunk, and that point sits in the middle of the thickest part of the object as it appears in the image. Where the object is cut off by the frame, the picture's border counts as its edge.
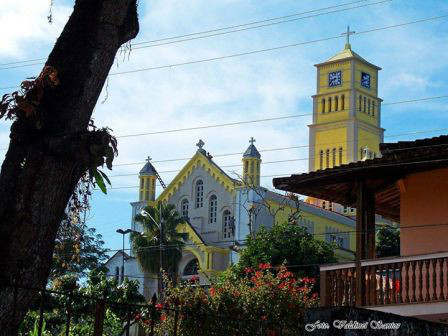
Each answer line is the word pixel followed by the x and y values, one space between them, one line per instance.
pixel 49 152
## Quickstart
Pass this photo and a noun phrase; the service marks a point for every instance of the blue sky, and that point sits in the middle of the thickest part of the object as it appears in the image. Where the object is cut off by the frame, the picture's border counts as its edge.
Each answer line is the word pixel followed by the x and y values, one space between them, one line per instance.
pixel 264 85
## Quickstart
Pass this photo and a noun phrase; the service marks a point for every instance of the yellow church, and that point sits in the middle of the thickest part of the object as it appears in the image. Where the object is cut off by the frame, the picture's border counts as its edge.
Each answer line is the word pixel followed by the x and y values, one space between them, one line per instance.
pixel 221 211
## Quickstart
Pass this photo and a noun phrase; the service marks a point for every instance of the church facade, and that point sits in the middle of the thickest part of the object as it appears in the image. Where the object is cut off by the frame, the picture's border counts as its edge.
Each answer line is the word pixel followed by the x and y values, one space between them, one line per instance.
pixel 221 211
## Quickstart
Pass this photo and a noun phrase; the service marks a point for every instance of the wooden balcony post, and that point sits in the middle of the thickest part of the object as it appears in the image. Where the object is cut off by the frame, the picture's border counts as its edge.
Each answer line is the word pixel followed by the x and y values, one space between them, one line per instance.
pixel 324 289
pixel 360 241
pixel 370 225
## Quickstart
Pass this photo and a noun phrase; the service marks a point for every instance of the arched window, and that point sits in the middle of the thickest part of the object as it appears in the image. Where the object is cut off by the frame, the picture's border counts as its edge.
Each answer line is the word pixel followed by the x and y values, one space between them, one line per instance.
pixel 329 104
pixel 340 155
pixel 373 108
pixel 342 102
pixel 336 103
pixel 246 167
pixel 191 268
pixel 365 103
pixel 117 273
pixel 334 157
pixel 323 105
pixel 213 209
pixel 321 159
pixel 227 230
pixel 184 206
pixel 368 107
pixel 361 152
pixel 360 103
pixel 327 158
pixel 199 194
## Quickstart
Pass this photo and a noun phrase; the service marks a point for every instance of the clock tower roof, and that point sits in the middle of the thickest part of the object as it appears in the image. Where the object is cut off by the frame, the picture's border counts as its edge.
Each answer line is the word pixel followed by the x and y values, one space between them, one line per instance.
pixel 347 54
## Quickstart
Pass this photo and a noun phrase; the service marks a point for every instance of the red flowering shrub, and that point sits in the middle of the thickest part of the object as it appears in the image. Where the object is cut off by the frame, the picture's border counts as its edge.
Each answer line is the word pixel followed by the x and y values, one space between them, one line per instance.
pixel 263 301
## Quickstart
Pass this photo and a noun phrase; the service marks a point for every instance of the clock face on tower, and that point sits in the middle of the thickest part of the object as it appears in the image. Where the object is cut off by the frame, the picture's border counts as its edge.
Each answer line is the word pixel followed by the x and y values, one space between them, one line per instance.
pixel 334 78
pixel 365 80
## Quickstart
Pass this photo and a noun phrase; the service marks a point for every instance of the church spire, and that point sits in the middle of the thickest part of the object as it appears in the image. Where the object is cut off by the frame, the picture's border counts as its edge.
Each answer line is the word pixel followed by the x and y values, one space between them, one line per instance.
pixel 251 164
pixel 147 177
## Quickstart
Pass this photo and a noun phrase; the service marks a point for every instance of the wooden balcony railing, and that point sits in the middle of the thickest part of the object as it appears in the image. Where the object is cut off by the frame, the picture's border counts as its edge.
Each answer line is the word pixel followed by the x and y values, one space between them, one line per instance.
pixel 386 281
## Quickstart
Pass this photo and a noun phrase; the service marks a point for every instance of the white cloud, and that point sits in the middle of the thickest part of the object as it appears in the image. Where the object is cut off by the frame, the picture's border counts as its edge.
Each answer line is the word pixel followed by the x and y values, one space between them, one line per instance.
pixel 25 27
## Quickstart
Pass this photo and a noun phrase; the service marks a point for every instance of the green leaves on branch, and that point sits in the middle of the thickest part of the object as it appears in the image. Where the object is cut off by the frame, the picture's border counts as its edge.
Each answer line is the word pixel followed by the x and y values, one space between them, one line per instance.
pixel 99 178
pixel 102 150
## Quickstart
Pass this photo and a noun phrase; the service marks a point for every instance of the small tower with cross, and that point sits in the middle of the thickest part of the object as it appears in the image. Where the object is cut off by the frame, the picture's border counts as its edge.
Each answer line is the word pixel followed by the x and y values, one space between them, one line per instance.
pixel 251 165
pixel 148 178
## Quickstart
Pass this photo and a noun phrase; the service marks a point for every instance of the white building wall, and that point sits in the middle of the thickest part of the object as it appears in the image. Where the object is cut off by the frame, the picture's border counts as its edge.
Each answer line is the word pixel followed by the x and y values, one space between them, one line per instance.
pixel 211 233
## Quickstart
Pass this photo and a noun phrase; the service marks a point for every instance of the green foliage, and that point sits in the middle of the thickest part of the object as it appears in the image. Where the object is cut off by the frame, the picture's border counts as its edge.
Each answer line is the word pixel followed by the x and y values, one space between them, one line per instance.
pixel 99 177
pixel 147 245
pixel 287 242
pixel 261 302
pixel 35 331
pixel 388 242
pixel 78 249
pixel 83 309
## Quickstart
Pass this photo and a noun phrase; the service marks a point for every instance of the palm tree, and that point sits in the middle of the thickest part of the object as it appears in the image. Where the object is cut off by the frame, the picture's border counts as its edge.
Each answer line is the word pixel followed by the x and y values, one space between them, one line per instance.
pixel 147 244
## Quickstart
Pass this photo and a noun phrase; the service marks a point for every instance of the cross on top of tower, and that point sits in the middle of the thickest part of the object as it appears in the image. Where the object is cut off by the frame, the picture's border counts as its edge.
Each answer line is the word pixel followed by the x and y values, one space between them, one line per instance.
pixel 348 33
pixel 200 144
pixel 148 159
pixel 252 140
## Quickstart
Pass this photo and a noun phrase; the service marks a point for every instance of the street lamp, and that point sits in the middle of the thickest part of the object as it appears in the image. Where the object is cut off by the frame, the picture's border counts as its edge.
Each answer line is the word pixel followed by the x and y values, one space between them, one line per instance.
pixel 123 232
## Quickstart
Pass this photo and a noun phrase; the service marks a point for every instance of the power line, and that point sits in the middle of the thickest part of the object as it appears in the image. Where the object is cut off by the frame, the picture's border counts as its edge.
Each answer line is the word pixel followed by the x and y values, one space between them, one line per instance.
pixel 216 125
pixel 250 23
pixel 255 27
pixel 268 49
pixel 342 169
pixel 226 166
pixel 262 120
pixel 285 148
pixel 175 246
pixel 275 48
pixel 220 29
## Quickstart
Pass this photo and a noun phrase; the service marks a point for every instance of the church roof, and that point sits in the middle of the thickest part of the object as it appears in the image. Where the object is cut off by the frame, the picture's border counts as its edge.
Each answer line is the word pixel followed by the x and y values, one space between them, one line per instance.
pixel 252 151
pixel 148 169
pixel 381 174
pixel 346 54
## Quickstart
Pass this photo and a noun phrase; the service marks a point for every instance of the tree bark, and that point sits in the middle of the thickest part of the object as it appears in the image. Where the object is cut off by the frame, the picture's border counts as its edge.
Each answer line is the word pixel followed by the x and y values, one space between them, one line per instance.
pixel 49 152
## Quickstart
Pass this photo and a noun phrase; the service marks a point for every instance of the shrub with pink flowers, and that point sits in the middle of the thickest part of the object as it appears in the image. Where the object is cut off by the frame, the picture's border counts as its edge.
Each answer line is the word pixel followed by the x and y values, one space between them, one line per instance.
pixel 266 301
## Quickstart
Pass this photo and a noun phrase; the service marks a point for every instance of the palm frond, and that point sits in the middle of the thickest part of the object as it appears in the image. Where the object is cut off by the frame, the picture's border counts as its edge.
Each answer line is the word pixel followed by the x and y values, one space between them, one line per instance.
pixel 147 245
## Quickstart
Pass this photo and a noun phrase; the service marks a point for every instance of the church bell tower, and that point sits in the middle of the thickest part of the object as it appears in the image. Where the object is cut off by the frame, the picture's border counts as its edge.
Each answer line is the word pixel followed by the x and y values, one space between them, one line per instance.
pixel 346 110
pixel 251 165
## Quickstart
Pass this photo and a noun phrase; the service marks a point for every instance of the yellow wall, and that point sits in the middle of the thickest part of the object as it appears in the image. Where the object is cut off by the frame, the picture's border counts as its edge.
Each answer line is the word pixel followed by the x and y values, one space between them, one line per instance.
pixel 361 67
pixel 329 139
pixel 368 139
pixel 323 77
pixel 320 224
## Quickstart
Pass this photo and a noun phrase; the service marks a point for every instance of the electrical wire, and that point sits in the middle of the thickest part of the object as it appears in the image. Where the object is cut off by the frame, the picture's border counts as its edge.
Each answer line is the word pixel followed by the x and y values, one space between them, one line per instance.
pixel 276 48
pixel 265 120
pixel 226 242
pixel 269 49
pixel 218 29
pixel 256 27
